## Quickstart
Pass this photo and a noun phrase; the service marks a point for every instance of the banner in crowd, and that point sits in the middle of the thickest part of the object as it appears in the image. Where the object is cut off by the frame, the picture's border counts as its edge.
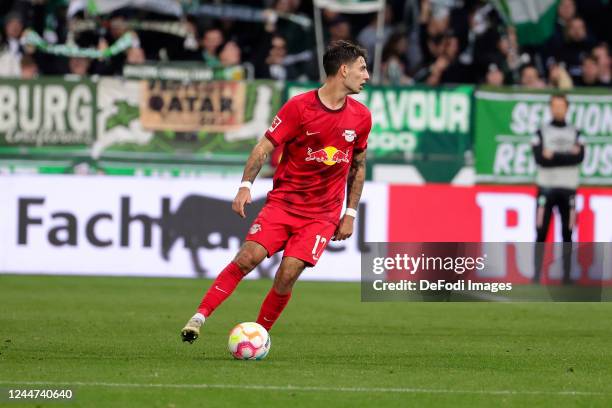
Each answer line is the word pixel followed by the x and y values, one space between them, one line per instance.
pixel 150 227
pixel 534 20
pixel 350 6
pixel 507 121
pixel 183 71
pixel 50 113
pixel 171 126
pixel 177 28
pixel 95 7
pixel 241 12
pixel 135 122
pixel 430 127
pixel 192 107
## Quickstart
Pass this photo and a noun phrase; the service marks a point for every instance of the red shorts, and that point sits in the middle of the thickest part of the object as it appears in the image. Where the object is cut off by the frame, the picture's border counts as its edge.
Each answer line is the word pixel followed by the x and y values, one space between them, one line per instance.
pixel 301 237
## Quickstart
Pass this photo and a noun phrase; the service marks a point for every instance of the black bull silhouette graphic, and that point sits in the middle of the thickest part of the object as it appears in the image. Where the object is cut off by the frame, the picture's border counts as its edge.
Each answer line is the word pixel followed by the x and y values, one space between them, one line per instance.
pixel 197 217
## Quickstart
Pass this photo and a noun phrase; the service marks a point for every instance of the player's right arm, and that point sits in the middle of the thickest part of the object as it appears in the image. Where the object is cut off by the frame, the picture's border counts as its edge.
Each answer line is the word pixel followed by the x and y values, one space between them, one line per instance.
pixel 283 128
pixel 259 155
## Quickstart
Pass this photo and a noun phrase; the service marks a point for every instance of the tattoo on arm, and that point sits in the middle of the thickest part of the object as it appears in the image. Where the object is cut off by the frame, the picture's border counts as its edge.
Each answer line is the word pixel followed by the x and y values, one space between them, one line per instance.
pixel 256 160
pixel 356 179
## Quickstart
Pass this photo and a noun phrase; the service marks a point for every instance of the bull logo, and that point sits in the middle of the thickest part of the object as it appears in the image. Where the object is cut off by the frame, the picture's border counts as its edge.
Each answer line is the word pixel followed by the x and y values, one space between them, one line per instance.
pixel 255 228
pixel 349 135
pixel 208 223
pixel 329 155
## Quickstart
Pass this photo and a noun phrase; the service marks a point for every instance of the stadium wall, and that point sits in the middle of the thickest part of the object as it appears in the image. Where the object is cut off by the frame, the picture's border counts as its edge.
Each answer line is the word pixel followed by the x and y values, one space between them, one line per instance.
pixel 185 228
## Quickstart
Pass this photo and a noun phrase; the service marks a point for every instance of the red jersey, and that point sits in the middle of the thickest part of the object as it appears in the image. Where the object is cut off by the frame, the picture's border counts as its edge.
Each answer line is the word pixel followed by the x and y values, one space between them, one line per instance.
pixel 319 142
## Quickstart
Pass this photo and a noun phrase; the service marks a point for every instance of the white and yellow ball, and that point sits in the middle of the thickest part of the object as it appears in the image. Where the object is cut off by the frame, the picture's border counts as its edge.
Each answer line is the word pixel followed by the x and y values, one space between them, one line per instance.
pixel 249 341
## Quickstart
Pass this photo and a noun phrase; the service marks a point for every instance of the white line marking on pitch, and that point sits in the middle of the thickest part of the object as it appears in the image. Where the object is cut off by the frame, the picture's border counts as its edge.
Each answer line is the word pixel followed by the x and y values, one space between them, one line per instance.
pixel 306 388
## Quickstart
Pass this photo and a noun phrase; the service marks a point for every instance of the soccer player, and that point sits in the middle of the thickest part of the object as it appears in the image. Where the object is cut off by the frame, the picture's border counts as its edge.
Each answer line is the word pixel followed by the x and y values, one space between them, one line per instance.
pixel 558 151
pixel 324 133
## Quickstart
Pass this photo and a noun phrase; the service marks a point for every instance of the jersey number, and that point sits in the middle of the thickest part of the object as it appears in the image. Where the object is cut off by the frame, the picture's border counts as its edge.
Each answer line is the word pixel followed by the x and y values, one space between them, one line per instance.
pixel 318 247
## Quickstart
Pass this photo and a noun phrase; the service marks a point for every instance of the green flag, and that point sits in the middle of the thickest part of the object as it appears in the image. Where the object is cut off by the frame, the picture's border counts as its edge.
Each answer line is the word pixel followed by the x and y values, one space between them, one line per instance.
pixel 534 19
pixel 92 7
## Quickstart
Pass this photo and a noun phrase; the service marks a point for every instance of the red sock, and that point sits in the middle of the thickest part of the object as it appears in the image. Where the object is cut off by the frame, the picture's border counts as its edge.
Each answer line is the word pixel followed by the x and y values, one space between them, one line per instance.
pixel 271 308
pixel 221 288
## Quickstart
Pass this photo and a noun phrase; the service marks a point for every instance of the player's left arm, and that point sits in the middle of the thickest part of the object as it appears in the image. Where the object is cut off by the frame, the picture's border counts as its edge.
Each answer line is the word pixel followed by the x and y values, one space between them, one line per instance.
pixel 354 187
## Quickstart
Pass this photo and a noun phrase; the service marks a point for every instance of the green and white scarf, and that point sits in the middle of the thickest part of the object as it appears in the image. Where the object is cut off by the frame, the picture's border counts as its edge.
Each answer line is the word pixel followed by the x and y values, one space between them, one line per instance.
pixel 32 38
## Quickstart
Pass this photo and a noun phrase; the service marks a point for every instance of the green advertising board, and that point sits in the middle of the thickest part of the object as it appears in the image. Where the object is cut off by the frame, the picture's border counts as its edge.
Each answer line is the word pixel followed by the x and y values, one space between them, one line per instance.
pixel 52 114
pixel 427 127
pixel 506 121
pixel 54 125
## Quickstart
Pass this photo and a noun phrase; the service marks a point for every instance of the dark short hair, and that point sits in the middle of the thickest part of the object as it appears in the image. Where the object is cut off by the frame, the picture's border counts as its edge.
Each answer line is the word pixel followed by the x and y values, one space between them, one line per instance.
pixel 341 52
pixel 559 96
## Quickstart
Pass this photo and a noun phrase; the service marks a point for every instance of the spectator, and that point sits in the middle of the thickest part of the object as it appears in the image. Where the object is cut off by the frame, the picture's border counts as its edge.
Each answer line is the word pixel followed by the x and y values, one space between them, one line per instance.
pixel 495 76
pixel 530 78
pixel 451 41
pixel 447 68
pixel 394 60
pixel 590 72
pixel 602 54
pixel 79 66
pixel 329 16
pixel 566 11
pixel 431 32
pixel 456 72
pixel 298 39
pixel 558 76
pixel 230 54
pixel 596 15
pixel 118 27
pixel 478 33
pixel 13 29
pixel 270 64
pixel 11 50
pixel 135 56
pixel 367 36
pixel 577 45
pixel 339 29
pixel 114 65
pixel 29 68
pixel 504 58
pixel 211 42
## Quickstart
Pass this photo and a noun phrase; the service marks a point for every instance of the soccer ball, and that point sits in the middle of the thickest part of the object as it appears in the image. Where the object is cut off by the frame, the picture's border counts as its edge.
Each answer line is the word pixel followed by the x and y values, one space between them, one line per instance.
pixel 249 341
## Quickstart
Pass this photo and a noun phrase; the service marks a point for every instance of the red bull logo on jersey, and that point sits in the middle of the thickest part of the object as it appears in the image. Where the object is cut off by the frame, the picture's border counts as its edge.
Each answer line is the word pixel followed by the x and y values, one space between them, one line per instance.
pixel 329 155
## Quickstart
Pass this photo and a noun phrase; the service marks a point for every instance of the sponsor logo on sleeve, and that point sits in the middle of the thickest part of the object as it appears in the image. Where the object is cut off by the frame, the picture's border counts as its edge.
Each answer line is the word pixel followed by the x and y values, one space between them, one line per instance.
pixel 277 121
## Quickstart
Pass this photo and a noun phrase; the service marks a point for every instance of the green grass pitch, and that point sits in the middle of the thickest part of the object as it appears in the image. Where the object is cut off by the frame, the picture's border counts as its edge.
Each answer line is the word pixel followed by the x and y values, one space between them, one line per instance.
pixel 115 342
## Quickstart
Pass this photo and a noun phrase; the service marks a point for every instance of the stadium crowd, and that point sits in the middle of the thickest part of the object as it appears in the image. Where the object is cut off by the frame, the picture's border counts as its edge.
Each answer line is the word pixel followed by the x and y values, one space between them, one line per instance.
pixel 425 41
